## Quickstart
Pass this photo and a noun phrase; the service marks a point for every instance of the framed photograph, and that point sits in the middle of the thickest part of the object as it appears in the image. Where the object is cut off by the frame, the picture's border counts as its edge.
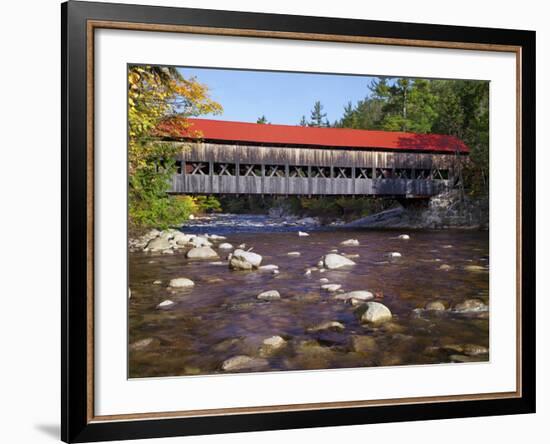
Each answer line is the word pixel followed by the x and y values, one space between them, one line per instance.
pixel 275 221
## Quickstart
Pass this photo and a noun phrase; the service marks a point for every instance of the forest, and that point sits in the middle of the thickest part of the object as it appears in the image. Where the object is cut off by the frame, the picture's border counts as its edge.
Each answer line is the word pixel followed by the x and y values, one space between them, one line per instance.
pixel 158 94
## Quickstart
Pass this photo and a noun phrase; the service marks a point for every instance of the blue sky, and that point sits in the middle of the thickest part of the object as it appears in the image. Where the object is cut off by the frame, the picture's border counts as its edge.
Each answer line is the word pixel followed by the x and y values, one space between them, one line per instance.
pixel 282 97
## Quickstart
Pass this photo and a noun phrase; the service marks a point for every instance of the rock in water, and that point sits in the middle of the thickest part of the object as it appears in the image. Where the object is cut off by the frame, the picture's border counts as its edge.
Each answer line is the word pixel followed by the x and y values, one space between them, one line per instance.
pixel 269 267
pixel 445 267
pixel 216 237
pixel 475 268
pixel 302 234
pixel 333 261
pixel 350 243
pixel 202 253
pixel 394 254
pixel 236 263
pixel 272 345
pixel 404 236
pixel 243 362
pixel 144 343
pixel 181 238
pixel 244 260
pixel 331 287
pixel 474 349
pixel 471 305
pixel 181 283
pixel 294 253
pixel 270 295
pixel 376 313
pixel 165 304
pixel 199 241
pixel 358 295
pixel 330 325
pixel 225 246
pixel 435 306
pixel 158 244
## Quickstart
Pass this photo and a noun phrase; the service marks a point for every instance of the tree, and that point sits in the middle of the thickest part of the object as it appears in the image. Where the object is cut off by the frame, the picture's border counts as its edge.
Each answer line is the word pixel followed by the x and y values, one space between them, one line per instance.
pixel 159 100
pixel 318 117
pixel 454 107
pixel 303 121
pixel 262 120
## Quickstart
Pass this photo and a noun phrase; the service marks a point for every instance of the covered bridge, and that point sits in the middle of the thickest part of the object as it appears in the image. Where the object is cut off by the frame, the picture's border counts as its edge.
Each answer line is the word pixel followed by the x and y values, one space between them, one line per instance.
pixel 223 157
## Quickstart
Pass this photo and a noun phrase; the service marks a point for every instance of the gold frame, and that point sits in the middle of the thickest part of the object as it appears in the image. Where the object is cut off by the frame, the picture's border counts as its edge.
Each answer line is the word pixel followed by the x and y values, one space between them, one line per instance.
pixel 92 25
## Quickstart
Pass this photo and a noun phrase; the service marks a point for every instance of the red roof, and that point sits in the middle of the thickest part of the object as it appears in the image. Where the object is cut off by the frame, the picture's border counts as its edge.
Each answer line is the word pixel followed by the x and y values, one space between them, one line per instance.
pixel 227 131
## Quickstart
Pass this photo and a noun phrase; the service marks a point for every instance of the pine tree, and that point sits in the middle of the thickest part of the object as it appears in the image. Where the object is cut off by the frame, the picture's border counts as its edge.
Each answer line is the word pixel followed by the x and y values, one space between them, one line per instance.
pixel 318 117
pixel 262 120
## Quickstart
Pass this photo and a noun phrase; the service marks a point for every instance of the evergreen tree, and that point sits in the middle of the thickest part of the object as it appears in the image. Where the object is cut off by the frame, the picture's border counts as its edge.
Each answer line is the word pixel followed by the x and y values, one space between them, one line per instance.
pixel 262 120
pixel 318 117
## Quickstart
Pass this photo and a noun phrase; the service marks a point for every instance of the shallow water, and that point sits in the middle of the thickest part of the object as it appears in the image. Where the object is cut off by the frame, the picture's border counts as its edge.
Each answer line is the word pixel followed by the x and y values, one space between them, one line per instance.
pixel 220 317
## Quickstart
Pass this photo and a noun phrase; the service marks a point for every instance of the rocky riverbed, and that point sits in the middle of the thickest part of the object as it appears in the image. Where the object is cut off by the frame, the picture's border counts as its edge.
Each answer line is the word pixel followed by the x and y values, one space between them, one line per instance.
pixel 255 293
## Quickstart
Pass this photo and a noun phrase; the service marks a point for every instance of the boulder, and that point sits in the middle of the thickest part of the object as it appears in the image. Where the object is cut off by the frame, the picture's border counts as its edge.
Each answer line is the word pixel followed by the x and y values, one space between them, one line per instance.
pixel 243 362
pixel 202 253
pixel 350 243
pixel 376 313
pixel 270 295
pixel 225 246
pixel 181 283
pixel 357 295
pixel 158 244
pixel 240 256
pixel 333 261
pixel 181 238
pixel 199 241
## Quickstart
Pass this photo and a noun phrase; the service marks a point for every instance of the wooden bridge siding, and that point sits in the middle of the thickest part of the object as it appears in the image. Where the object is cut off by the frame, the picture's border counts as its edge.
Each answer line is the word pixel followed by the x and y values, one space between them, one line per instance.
pixel 260 155
pixel 311 156
pixel 302 186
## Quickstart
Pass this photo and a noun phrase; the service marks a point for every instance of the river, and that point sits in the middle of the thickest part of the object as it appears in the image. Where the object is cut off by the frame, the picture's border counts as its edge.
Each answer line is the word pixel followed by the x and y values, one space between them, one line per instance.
pixel 221 317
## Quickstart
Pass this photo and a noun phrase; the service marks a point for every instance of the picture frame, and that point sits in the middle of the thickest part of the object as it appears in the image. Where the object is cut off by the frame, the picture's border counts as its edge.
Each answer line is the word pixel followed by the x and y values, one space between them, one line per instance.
pixel 80 20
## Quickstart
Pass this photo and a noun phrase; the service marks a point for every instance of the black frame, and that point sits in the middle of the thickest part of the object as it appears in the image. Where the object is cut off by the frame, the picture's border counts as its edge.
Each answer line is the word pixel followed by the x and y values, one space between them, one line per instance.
pixel 75 426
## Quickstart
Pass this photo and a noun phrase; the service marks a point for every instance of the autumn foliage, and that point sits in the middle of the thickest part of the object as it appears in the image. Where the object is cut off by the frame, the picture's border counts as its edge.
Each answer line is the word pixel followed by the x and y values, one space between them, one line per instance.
pixel 159 101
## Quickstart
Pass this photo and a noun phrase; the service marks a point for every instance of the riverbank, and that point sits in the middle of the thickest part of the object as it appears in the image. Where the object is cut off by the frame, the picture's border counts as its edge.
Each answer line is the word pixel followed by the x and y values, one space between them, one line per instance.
pixel 443 211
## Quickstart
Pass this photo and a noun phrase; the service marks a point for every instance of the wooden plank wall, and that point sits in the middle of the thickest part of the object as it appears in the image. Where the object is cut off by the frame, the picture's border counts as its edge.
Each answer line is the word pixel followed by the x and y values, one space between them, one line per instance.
pixel 306 157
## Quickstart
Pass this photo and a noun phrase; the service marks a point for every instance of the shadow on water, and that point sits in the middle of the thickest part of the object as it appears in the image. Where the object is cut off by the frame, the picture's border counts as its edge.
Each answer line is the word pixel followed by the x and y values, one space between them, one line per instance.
pixel 221 317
